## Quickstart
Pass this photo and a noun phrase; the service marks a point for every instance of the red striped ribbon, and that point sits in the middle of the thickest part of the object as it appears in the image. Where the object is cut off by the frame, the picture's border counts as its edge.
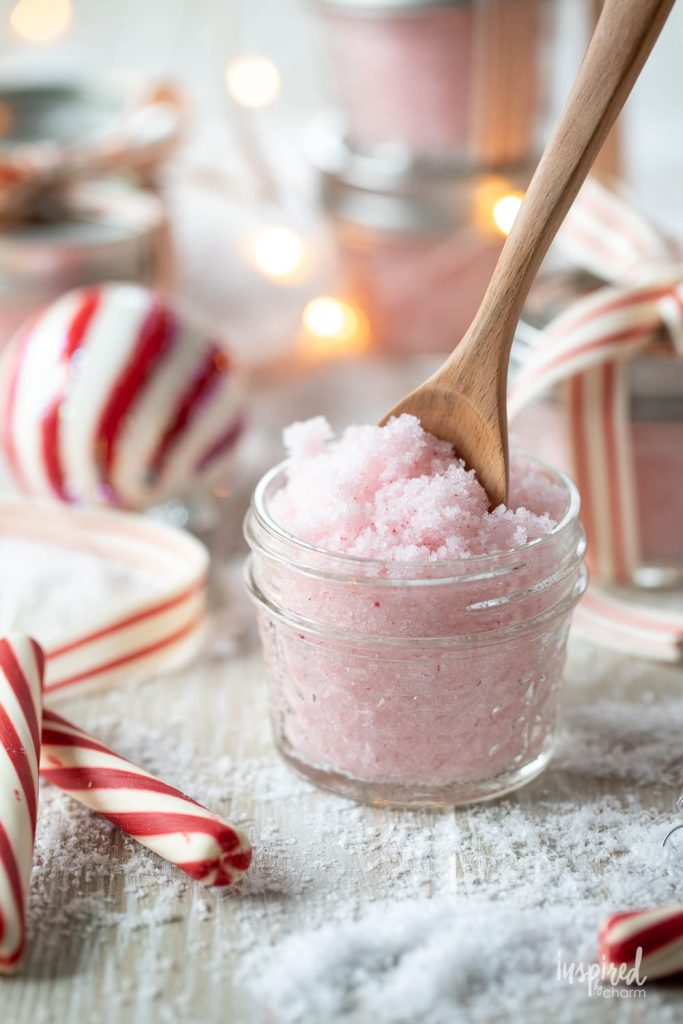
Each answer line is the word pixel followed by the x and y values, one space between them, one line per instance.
pixel 142 637
pixel 587 348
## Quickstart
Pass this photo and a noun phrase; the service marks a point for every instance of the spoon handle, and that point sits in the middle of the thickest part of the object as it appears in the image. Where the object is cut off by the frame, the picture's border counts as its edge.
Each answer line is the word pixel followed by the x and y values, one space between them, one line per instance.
pixel 622 41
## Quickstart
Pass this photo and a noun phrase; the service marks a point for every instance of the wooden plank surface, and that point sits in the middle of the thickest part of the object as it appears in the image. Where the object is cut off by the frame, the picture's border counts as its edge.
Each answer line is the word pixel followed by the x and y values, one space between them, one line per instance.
pixel 117 936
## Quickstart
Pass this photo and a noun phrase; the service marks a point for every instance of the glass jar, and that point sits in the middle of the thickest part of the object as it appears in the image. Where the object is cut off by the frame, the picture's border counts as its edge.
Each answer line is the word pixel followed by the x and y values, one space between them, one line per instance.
pixel 654 435
pixel 416 240
pixel 57 131
pixel 96 232
pixel 421 683
pixel 465 77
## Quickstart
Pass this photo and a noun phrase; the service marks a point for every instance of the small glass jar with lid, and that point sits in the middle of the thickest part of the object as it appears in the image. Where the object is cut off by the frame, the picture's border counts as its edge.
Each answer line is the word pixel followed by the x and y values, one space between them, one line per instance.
pixel 417 239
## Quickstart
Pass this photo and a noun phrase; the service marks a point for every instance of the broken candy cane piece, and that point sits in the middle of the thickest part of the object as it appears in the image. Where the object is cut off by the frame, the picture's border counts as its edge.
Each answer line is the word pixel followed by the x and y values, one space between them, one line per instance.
pixel 21 698
pixel 658 933
pixel 160 817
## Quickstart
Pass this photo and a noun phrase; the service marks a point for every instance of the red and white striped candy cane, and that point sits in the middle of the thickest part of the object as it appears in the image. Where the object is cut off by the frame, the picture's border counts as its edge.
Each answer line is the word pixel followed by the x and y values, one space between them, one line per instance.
pixel 21 680
pixel 160 817
pixel 657 933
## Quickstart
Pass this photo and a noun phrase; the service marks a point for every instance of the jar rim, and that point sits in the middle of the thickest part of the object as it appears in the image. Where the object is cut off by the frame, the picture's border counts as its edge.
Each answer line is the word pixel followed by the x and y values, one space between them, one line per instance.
pixel 481 563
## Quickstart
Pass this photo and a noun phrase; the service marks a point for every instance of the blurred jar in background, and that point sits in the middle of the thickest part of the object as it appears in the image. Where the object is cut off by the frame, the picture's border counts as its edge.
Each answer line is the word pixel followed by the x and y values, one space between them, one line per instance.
pixel 95 232
pixel 471 78
pixel 417 240
pixel 654 440
pixel 76 157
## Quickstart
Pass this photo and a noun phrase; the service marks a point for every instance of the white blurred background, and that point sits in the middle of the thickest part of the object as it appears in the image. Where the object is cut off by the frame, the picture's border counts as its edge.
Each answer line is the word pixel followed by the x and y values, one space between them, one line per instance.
pixel 193 42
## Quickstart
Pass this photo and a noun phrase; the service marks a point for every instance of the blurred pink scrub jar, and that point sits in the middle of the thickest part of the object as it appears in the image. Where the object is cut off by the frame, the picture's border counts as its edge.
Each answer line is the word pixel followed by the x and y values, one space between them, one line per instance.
pixel 413 641
pixel 416 240
pixel 439 76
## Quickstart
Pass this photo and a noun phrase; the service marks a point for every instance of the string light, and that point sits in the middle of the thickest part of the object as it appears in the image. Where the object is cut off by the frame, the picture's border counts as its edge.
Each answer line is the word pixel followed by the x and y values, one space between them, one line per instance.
pixel 333 327
pixel 40 21
pixel 253 81
pixel 505 211
pixel 279 253
pixel 495 205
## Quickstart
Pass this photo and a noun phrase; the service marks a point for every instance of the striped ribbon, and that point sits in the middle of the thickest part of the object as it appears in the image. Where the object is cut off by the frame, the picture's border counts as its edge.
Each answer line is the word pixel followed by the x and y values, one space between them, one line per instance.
pixel 142 637
pixel 586 349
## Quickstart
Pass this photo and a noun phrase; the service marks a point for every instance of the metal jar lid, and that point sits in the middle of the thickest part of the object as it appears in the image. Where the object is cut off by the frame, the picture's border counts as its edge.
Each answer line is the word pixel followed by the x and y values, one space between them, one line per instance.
pixel 54 132
pixel 389 8
pixel 391 189
pixel 92 233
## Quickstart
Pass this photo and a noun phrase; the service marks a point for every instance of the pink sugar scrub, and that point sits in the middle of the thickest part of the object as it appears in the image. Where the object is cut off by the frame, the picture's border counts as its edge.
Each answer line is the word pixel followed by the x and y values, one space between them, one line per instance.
pixel 396 493
pixel 413 639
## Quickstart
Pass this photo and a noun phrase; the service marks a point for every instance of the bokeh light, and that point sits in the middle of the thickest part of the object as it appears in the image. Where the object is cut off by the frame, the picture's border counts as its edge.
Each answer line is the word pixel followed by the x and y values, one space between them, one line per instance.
pixel 505 211
pixel 333 327
pixel 41 21
pixel 279 253
pixel 253 81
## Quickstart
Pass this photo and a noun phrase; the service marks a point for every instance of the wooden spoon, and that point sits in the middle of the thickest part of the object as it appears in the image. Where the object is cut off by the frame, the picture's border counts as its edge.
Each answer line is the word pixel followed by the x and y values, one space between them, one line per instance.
pixel 464 402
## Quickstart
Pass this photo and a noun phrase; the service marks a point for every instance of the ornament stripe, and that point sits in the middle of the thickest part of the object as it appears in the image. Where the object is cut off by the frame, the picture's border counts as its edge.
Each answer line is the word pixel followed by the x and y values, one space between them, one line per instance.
pixel 209 375
pixel 50 427
pixel 155 338
pixel 220 445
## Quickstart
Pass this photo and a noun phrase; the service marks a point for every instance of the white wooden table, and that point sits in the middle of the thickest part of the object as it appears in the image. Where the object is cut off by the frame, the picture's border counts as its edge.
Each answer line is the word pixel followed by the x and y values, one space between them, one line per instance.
pixel 117 936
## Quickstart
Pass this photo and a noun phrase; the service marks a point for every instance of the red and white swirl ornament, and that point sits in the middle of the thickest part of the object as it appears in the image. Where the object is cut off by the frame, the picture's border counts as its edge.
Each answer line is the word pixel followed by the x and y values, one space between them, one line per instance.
pixel 110 397
pixel 21 680
pixel 158 816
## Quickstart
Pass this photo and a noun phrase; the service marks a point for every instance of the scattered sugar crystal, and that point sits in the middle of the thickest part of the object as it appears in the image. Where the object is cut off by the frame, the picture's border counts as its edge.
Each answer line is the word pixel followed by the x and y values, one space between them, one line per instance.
pixel 397 493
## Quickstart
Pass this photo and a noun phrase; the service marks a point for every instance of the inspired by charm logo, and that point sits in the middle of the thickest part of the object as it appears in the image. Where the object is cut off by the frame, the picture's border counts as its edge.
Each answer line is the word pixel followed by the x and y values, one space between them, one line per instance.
pixel 605 979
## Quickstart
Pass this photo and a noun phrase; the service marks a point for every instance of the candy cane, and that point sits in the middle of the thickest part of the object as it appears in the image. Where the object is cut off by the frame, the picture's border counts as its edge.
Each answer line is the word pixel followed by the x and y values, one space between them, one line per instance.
pixel 21 677
pixel 658 934
pixel 160 817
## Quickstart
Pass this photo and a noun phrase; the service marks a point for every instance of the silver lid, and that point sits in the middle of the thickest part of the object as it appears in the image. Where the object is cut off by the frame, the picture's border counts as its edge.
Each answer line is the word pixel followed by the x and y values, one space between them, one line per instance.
pixel 392 189
pixel 389 8
pixel 54 132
